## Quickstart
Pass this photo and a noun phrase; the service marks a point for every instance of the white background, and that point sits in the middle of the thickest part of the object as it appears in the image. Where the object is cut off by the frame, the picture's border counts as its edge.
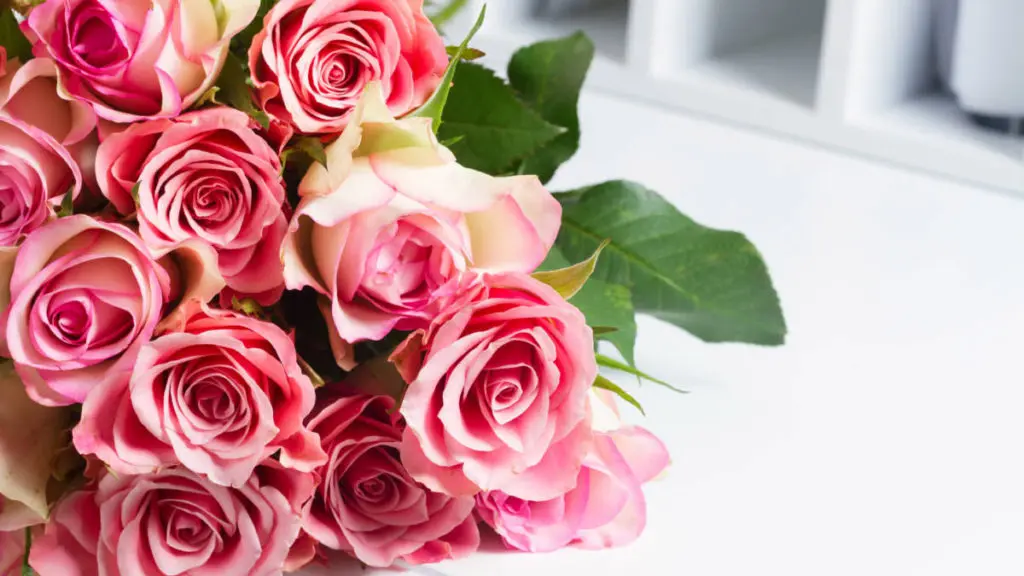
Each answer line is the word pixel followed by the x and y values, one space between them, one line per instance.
pixel 887 437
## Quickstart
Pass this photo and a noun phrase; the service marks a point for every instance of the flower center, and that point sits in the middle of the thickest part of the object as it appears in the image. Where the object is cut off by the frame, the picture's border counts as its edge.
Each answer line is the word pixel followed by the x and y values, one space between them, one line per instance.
pixel 94 40
pixel 71 321
pixel 374 489
pixel 407 266
pixel 212 401
pixel 211 201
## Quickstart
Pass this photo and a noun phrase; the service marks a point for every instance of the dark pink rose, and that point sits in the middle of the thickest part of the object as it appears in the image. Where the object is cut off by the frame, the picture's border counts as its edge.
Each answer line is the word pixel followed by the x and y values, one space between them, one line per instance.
pixel 367 503
pixel 35 173
pixel 205 175
pixel 220 394
pixel 85 296
pixel 175 522
pixel 606 507
pixel 138 59
pixel 497 396
pixel 313 58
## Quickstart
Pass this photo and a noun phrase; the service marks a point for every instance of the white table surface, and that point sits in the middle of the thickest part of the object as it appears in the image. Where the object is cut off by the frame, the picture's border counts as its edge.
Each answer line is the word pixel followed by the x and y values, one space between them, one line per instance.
pixel 887 437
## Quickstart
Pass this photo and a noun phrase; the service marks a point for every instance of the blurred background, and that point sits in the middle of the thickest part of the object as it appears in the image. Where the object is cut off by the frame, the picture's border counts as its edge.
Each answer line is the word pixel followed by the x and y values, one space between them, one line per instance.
pixel 936 85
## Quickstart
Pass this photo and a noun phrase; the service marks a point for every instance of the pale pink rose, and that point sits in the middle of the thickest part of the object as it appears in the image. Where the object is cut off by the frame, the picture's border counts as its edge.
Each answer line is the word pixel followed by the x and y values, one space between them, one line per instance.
pixel 29 92
pixel 367 504
pixel 394 221
pixel 12 552
pixel 204 175
pixel 138 59
pixel 175 522
pixel 35 173
pixel 33 439
pixel 86 295
pixel 220 394
pixel 606 507
pixel 497 396
pixel 313 59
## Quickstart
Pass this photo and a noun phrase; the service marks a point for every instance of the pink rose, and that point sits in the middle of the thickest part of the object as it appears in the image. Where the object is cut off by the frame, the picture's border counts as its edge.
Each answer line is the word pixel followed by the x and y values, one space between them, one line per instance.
pixel 497 396
pixel 138 59
pixel 204 175
pixel 367 503
pixel 86 295
pixel 174 522
pixel 30 93
pixel 35 174
pixel 220 395
pixel 392 223
pixel 606 507
pixel 12 552
pixel 313 59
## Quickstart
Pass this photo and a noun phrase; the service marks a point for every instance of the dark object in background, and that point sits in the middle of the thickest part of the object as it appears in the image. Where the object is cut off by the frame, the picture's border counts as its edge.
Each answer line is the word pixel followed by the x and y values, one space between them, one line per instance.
pixel 980 52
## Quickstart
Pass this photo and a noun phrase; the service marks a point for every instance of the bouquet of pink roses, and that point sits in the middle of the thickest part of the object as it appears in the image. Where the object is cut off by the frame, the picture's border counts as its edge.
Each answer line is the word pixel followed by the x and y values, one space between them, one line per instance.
pixel 283 277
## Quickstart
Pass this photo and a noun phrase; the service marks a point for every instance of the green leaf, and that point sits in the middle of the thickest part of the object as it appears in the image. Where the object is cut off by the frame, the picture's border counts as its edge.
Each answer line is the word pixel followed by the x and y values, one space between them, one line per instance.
pixel 249 307
pixel 27 570
pixel 498 128
pixel 614 364
pixel 135 192
pixel 315 378
pixel 606 305
pixel 233 90
pixel 243 40
pixel 452 141
pixel 434 107
pixel 445 13
pixel 606 384
pixel 67 204
pixel 712 283
pixel 568 281
pixel 468 54
pixel 11 36
pixel 208 97
pixel 311 147
pixel 548 76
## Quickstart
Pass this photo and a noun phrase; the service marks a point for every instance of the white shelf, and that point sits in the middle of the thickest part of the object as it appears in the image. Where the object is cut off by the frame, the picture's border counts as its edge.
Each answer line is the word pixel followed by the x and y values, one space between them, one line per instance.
pixel 854 75
pixel 785 68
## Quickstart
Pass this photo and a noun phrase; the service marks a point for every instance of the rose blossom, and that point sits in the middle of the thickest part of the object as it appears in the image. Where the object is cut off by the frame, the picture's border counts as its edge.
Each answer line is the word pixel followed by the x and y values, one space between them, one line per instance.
pixel 174 522
pixel 497 395
pixel 34 437
pixel 394 220
pixel 35 174
pixel 367 503
pixel 313 58
pixel 606 507
pixel 12 551
pixel 220 395
pixel 86 295
pixel 138 59
pixel 204 175
pixel 30 92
